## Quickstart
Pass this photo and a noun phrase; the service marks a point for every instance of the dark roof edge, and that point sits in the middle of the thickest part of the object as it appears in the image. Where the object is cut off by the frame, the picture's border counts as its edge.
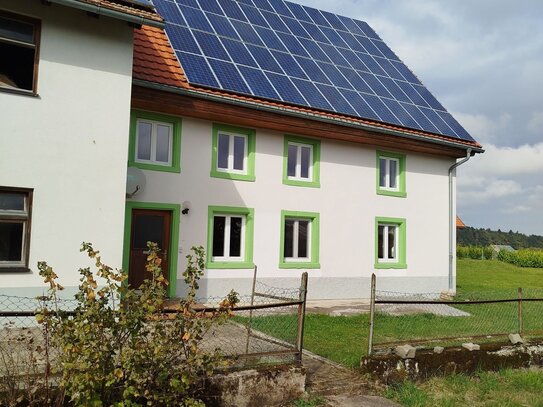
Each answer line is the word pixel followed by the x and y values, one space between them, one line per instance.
pixel 306 115
pixel 119 15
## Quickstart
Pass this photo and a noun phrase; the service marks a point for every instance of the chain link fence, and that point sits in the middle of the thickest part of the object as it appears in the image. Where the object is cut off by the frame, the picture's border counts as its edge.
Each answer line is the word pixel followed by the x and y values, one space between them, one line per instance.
pixel 253 336
pixel 25 347
pixel 428 320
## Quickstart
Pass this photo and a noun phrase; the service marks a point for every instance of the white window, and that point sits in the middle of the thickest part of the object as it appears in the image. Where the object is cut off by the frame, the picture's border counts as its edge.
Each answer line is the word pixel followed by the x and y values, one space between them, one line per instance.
pixel 232 153
pixel 297 245
pixel 154 142
pixel 228 237
pixel 389 173
pixel 300 162
pixel 387 243
pixel 15 207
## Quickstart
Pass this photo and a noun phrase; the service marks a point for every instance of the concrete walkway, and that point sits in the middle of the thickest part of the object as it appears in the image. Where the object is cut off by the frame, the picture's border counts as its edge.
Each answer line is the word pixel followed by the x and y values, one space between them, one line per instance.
pixel 340 386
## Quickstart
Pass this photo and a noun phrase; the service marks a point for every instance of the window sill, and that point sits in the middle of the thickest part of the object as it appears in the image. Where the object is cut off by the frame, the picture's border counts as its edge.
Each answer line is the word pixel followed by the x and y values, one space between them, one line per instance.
pixel 390 265
pixel 16 91
pixel 398 194
pixel 230 265
pixel 296 183
pixel 232 176
pixel 153 167
pixel 14 270
pixel 295 265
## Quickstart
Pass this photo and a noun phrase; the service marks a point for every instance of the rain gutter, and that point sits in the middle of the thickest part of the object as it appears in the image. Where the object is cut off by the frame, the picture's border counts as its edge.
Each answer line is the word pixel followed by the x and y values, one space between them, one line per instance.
pixel 99 10
pixel 452 223
pixel 304 115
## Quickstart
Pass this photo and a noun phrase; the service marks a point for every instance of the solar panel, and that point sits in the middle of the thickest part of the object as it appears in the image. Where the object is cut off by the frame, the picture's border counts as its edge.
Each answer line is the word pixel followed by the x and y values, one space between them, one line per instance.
pixel 283 51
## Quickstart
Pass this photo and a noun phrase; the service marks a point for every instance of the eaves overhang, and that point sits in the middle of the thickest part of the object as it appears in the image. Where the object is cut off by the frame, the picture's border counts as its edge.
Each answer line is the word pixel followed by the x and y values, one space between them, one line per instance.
pixel 306 114
pixel 116 11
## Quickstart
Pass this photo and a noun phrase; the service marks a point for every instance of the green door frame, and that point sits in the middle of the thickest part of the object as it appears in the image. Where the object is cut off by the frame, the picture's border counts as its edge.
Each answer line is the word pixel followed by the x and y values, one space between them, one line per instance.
pixel 174 237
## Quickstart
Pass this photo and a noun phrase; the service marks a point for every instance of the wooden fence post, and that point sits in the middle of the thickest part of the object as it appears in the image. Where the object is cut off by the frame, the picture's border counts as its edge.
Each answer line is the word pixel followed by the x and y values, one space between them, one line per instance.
pixel 372 314
pixel 249 324
pixel 301 317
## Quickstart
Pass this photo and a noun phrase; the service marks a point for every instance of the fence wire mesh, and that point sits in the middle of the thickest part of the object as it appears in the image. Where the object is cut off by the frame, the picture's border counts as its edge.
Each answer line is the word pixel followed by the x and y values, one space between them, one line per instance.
pixel 262 330
pixel 428 319
pixel 256 333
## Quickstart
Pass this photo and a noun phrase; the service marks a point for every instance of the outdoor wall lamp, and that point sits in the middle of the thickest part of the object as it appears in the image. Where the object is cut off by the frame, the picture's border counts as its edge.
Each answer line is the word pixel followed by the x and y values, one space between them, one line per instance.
pixel 185 207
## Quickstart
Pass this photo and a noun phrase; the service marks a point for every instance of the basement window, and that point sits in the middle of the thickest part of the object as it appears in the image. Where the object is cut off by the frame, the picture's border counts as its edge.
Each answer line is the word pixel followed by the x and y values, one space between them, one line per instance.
pixel 19 42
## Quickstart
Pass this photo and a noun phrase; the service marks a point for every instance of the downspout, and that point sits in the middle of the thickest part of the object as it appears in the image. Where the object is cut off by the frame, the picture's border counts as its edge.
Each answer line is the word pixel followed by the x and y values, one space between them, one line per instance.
pixel 452 224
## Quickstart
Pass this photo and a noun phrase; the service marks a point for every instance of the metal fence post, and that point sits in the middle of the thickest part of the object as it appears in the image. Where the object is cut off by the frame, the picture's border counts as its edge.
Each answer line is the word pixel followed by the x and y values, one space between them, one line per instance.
pixel 372 314
pixel 249 324
pixel 520 323
pixel 301 316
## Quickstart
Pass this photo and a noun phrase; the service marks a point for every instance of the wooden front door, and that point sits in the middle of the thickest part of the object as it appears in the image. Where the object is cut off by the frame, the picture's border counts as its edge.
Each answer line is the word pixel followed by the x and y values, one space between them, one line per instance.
pixel 148 226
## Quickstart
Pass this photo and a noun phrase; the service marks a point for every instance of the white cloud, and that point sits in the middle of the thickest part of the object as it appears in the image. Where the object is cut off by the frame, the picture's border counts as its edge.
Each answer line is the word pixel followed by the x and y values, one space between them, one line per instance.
pixel 497 188
pixel 482 127
pixel 515 209
pixel 507 161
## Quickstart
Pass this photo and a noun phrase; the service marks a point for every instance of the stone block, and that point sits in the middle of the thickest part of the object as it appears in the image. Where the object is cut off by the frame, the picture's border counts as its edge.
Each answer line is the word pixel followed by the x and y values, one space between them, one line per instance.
pixel 516 339
pixel 405 351
pixel 471 346
pixel 265 386
pixel 439 349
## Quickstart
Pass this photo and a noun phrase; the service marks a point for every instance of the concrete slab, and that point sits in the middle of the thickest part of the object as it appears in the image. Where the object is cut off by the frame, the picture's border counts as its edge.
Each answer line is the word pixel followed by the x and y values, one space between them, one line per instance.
pixel 360 401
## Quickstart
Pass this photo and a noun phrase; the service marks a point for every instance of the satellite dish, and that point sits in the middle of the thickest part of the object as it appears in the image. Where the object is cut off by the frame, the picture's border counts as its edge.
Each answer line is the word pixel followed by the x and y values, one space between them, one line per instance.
pixel 135 181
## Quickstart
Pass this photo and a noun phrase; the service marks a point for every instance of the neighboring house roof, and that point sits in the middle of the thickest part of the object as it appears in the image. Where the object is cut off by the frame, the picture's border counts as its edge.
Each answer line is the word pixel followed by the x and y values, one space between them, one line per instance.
pixel 156 63
pixel 134 11
pixel 459 223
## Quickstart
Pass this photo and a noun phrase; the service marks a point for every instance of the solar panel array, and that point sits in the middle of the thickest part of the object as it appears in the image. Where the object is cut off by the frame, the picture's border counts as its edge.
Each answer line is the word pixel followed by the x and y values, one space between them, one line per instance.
pixel 287 52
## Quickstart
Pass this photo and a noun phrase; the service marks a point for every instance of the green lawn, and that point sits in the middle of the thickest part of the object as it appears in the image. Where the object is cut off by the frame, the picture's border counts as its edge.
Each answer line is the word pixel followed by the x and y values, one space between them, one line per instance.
pixel 491 275
pixel 507 388
pixel 344 338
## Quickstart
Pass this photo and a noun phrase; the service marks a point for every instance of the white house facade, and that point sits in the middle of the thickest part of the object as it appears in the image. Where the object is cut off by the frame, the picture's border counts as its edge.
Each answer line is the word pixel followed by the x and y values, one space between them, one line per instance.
pixel 343 214
pixel 65 84
pixel 272 134
pixel 257 183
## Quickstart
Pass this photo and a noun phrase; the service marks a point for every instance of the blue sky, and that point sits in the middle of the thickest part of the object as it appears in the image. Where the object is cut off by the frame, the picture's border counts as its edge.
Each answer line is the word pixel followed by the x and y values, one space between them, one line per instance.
pixel 483 60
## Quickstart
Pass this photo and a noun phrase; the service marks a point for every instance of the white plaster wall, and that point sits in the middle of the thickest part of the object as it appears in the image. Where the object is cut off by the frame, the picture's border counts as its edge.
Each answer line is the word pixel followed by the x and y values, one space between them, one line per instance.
pixel 347 203
pixel 70 143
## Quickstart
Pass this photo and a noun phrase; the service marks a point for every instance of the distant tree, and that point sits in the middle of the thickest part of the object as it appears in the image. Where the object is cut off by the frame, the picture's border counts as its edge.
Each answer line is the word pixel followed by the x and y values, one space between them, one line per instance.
pixel 469 236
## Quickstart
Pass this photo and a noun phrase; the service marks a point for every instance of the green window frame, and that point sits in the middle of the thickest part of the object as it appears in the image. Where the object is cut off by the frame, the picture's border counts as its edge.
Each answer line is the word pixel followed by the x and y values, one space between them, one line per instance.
pixel 400 244
pixel 399 160
pixel 175 152
pixel 248 173
pixel 247 237
pixel 314 243
pixel 314 170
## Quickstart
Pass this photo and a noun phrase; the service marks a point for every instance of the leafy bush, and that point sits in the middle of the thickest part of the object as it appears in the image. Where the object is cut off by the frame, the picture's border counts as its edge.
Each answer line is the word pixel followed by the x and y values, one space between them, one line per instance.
pixel 474 252
pixel 120 348
pixel 523 258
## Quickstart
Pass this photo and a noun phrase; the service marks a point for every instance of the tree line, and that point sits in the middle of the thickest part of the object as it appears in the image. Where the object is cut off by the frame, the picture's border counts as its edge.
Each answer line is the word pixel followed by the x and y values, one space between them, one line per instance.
pixel 469 236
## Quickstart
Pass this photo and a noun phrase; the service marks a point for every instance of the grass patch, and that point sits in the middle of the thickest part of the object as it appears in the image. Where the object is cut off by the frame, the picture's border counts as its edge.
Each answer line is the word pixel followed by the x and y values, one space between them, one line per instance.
pixel 504 388
pixel 492 275
pixel 308 402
